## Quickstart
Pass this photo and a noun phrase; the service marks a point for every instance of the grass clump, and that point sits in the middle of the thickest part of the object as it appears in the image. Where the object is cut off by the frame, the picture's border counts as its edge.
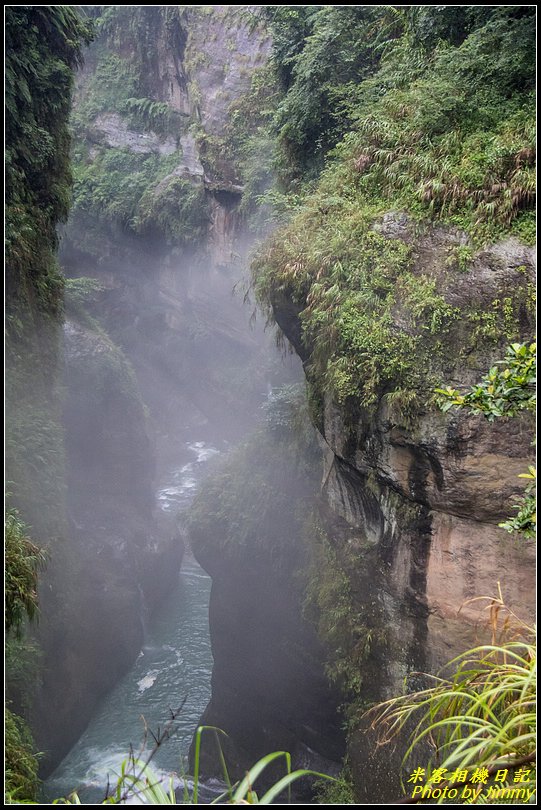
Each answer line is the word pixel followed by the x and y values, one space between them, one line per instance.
pixel 482 715
pixel 372 324
pixel 21 764
pixel 336 791
pixel 432 108
pixel 376 320
pixel 23 562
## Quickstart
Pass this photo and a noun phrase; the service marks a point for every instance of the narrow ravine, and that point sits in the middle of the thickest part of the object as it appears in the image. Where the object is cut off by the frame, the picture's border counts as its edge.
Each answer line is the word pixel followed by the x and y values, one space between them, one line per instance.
pixel 173 668
pixel 199 531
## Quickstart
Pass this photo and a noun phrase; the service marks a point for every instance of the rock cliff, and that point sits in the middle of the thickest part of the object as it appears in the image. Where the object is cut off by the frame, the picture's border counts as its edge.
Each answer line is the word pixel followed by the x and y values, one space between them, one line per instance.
pixel 159 342
pixel 167 296
pixel 120 560
pixel 250 528
pixel 422 496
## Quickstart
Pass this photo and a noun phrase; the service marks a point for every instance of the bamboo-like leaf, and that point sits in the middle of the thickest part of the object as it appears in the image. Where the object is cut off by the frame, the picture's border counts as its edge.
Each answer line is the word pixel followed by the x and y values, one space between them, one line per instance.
pixel 256 770
pixel 287 781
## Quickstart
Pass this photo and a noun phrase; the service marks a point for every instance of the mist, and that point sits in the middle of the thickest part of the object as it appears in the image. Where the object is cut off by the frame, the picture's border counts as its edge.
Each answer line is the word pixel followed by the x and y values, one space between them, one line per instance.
pixel 165 374
pixel 168 373
pixel 159 369
pixel 237 514
pixel 170 380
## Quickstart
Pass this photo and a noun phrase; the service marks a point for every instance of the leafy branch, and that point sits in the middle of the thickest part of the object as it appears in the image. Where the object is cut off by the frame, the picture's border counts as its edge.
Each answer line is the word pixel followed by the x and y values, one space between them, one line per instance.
pixel 507 389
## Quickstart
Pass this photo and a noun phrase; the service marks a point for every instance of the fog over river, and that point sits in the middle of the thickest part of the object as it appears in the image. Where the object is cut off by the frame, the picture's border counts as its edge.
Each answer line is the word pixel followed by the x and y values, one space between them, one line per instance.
pixel 173 668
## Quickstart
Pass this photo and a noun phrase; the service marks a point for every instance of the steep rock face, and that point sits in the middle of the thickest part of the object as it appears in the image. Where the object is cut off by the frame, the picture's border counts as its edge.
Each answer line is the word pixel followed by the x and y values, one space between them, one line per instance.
pixel 168 301
pixel 249 529
pixel 111 463
pixel 269 691
pixel 423 499
pixel 222 51
pixel 209 63
pixel 112 130
pixel 121 560
pixel 199 62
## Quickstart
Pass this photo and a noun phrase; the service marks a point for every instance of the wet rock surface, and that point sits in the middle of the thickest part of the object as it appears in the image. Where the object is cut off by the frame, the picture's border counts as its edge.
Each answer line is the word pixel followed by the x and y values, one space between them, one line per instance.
pixel 123 557
pixel 427 498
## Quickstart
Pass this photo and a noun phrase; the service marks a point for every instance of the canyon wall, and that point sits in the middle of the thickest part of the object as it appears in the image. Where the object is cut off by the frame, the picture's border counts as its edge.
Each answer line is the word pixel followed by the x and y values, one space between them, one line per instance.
pixel 153 339
pixel 422 497
pixel 317 601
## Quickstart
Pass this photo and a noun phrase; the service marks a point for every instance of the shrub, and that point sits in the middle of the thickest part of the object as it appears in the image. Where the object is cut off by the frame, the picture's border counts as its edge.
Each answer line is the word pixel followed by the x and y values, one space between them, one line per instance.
pixel 23 561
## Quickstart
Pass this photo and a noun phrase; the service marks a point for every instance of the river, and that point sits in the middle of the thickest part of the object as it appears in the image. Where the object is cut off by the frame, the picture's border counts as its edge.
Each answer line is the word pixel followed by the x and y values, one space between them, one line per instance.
pixel 173 667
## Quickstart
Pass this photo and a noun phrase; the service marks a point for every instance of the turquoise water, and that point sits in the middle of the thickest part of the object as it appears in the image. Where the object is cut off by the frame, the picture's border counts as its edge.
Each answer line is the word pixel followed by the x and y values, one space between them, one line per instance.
pixel 173 667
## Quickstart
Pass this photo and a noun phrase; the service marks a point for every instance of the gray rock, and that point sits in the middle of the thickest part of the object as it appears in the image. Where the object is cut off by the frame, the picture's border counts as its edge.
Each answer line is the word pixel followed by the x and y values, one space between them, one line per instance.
pixel 112 130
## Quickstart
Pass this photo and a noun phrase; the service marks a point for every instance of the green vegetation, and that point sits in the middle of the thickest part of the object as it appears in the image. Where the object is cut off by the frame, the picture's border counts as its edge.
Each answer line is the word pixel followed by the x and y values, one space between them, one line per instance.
pixel 134 191
pixel 177 208
pixel 43 46
pixel 109 87
pixel 429 126
pixel 374 323
pixel 336 791
pixel 435 105
pixel 347 318
pixel 330 605
pixel 106 372
pixel 117 81
pixel 124 81
pixel 252 148
pixel 140 193
pixel 21 764
pixel 137 191
pixel 423 110
pixel 244 792
pixel 429 118
pixel 461 256
pixel 80 291
pixel 23 561
pixel 125 62
pixel 525 521
pixel 157 116
pixel 507 389
pixel 320 54
pixel 482 715
pixel 34 460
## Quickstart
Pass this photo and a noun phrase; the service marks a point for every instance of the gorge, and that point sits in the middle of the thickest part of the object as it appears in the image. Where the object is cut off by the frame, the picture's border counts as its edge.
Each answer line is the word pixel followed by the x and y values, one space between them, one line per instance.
pixel 374 169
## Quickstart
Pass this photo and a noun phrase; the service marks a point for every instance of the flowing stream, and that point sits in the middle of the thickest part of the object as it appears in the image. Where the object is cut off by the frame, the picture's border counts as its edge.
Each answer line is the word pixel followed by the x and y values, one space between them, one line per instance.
pixel 174 665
